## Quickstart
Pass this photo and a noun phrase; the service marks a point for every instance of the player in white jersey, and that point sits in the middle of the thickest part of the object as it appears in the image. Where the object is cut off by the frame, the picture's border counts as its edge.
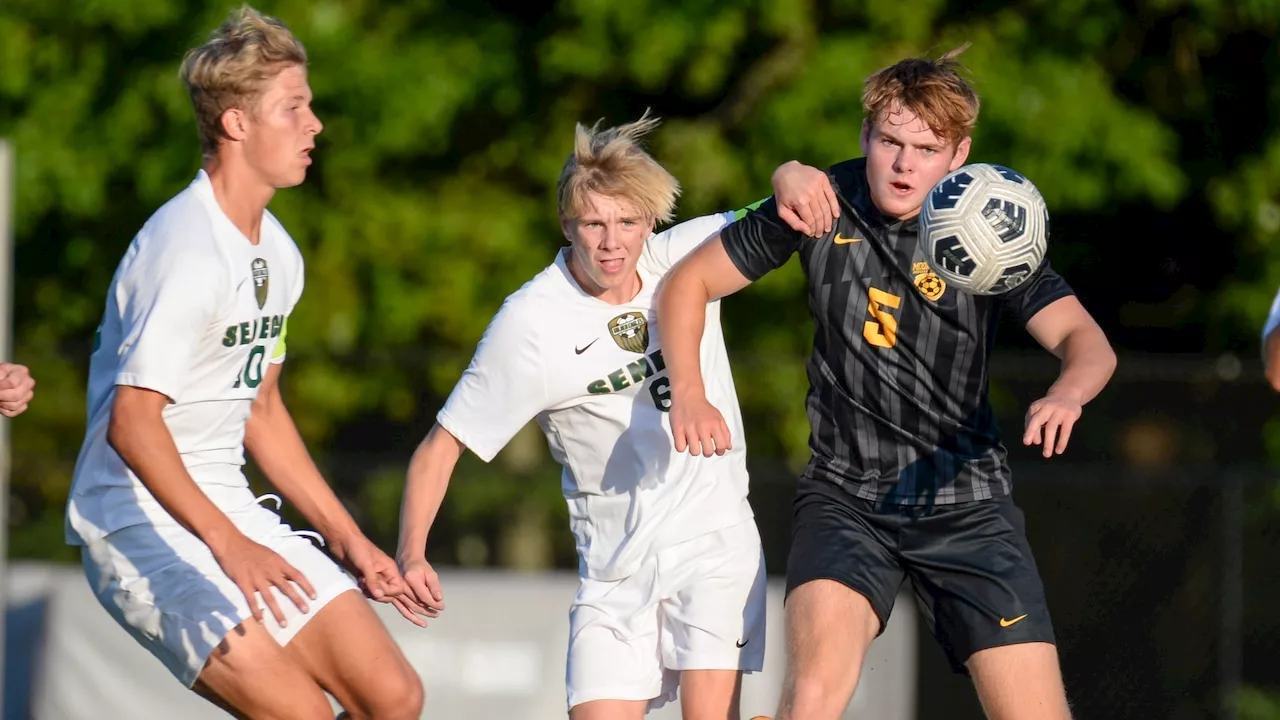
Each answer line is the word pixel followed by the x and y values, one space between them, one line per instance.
pixel 183 380
pixel 672 592
pixel 17 387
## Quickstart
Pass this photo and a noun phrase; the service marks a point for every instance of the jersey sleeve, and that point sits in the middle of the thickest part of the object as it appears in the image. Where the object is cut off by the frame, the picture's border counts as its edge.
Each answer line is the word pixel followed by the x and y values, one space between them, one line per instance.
pixel 166 304
pixel 1036 293
pixel 277 355
pixel 759 241
pixel 502 389
pixel 671 245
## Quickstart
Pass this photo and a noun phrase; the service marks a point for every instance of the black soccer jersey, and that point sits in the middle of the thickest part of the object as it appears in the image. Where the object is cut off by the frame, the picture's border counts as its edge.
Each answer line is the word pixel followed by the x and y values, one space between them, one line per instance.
pixel 897 403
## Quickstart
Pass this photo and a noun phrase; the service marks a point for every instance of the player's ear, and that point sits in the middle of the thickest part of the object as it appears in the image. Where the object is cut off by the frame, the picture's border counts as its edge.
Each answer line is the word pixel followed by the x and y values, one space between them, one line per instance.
pixel 565 225
pixel 962 152
pixel 234 123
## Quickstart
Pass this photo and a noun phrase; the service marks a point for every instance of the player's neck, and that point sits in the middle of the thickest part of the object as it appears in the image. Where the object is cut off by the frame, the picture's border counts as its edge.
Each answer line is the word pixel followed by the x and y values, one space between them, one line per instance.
pixel 241 194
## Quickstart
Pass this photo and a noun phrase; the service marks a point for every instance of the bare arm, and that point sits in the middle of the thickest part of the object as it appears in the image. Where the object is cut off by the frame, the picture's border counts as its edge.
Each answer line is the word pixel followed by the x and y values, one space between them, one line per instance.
pixel 1066 329
pixel 428 479
pixel 272 439
pixel 704 275
pixel 138 434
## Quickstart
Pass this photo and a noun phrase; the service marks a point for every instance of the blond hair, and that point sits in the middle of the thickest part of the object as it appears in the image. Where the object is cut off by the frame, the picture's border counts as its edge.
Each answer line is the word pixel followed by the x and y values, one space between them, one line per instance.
pixel 612 162
pixel 933 90
pixel 229 70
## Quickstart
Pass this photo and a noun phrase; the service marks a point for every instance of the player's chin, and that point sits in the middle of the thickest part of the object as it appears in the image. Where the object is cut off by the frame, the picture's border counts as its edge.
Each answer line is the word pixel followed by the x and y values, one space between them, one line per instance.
pixel 901 205
pixel 292 177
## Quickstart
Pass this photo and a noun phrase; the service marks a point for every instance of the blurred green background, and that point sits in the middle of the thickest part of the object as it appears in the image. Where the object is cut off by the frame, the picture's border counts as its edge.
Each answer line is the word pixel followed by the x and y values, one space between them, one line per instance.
pixel 1151 127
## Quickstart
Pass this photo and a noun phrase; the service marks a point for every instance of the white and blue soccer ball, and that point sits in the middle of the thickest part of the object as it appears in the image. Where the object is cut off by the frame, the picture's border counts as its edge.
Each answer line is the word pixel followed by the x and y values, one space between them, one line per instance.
pixel 984 229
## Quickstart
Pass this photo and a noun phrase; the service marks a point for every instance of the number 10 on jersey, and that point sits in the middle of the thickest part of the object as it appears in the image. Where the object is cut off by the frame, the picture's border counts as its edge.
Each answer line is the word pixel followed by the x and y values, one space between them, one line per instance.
pixel 251 377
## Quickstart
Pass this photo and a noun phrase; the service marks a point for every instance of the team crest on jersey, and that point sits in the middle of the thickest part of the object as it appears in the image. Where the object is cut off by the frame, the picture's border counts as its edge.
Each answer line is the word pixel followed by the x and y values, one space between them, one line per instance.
pixel 930 285
pixel 630 331
pixel 260 281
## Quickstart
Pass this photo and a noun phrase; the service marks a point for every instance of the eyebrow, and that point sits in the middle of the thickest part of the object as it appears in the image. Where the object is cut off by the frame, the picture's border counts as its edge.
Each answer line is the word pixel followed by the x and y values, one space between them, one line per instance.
pixel 900 141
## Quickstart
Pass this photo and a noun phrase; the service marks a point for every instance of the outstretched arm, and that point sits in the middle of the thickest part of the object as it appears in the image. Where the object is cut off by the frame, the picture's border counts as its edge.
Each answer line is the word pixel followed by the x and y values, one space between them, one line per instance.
pixel 1066 329
pixel 428 479
pixel 272 438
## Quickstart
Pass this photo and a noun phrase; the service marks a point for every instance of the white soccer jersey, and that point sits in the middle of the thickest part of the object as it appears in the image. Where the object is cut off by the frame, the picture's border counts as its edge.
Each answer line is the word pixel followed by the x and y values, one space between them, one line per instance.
pixel 593 375
pixel 196 312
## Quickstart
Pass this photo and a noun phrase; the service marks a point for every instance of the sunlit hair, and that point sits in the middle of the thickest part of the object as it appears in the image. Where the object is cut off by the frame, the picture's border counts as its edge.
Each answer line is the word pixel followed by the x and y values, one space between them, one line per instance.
pixel 611 162
pixel 933 90
pixel 232 68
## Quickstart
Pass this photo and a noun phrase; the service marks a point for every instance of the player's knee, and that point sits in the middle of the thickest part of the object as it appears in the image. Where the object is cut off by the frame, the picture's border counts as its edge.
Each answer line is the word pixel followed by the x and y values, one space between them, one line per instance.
pixel 812 696
pixel 396 696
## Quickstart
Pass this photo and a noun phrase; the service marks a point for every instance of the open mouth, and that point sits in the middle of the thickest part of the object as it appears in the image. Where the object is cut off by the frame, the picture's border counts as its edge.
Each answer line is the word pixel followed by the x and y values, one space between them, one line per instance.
pixel 611 266
pixel 306 156
pixel 901 188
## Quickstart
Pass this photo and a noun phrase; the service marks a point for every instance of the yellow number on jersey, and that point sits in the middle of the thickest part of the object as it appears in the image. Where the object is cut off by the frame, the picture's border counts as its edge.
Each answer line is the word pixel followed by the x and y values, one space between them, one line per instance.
pixel 882 329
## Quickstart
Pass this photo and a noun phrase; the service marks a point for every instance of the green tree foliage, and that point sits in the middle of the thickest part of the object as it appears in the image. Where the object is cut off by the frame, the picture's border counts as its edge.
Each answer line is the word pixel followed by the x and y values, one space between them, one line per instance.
pixel 446 126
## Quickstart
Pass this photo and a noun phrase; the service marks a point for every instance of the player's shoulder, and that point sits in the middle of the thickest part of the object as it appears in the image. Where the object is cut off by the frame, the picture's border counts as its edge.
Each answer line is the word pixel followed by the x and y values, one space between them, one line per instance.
pixel 180 234
pixel 849 176
pixel 536 306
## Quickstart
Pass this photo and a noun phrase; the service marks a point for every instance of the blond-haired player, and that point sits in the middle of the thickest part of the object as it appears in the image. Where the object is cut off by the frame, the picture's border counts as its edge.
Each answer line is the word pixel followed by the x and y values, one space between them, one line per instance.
pixel 672 574
pixel 909 478
pixel 183 380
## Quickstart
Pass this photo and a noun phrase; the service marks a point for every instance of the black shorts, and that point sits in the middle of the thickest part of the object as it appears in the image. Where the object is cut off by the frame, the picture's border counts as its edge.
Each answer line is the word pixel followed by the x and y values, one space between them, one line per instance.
pixel 975 580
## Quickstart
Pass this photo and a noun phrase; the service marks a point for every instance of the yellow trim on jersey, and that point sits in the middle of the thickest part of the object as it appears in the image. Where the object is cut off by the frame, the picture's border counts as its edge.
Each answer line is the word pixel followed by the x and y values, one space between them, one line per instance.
pixel 279 351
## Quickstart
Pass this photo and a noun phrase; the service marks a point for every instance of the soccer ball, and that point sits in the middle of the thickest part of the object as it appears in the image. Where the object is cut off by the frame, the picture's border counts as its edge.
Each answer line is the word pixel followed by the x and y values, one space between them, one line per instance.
pixel 984 229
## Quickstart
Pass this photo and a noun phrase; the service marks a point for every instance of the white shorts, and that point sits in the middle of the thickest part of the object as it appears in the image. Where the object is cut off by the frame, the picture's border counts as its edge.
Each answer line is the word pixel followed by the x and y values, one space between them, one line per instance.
pixel 697 605
pixel 162 584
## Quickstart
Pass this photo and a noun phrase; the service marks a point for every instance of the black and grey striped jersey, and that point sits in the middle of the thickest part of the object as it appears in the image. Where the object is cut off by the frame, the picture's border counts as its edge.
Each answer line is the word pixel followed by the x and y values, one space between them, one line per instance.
pixel 897 402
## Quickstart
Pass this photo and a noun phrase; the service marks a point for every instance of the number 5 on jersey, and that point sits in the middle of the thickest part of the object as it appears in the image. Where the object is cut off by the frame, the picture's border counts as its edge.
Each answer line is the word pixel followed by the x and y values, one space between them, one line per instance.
pixel 882 329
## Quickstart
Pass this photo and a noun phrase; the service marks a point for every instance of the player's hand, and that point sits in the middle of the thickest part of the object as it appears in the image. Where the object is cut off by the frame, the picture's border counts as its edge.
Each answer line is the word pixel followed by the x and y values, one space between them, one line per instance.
pixel 380 579
pixel 698 426
pixel 17 387
pixel 1049 423
pixel 255 569
pixel 806 201
pixel 424 584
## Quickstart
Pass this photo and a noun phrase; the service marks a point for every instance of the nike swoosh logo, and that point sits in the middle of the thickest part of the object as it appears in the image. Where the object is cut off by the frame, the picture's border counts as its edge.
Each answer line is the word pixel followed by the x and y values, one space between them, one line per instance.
pixel 1008 623
pixel 580 350
pixel 742 643
pixel 842 240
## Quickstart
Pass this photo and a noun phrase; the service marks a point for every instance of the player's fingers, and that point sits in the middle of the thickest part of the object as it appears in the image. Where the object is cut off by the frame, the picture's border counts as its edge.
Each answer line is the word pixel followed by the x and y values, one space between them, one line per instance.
pixel 296 575
pixel 724 442
pixel 677 437
pixel 407 612
pixel 794 221
pixel 824 210
pixel 251 598
pixel 1050 436
pixel 269 598
pixel 831 196
pixel 435 600
pixel 1064 434
pixel 290 591
pixel 1034 425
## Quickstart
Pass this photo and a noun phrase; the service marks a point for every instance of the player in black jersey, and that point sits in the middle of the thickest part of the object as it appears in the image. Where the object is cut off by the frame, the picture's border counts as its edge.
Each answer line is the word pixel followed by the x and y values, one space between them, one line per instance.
pixel 908 477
